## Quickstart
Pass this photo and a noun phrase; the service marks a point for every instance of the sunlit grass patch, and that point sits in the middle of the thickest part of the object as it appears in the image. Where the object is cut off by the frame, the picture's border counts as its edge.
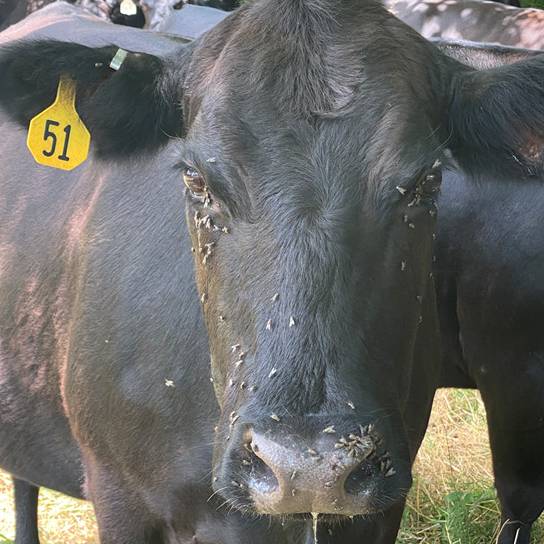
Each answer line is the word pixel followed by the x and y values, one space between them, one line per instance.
pixel 453 500
pixel 462 517
pixel 458 518
pixel 7 529
pixel 5 540
pixel 62 519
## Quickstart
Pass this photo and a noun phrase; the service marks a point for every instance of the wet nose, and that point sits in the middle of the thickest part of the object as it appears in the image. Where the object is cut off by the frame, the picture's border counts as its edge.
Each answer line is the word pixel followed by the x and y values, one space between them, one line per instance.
pixel 335 475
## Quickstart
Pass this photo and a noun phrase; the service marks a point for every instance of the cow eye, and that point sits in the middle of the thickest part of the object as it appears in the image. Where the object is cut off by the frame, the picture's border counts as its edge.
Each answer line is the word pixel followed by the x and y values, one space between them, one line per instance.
pixel 194 181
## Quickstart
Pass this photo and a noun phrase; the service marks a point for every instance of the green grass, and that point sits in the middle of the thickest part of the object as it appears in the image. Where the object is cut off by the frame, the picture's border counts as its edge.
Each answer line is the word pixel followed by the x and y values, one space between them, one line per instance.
pixel 533 4
pixel 461 517
pixel 452 500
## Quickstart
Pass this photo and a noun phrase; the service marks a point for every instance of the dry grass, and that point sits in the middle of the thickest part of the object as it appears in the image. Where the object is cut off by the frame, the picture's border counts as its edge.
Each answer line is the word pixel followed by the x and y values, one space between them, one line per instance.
pixel 62 519
pixel 452 501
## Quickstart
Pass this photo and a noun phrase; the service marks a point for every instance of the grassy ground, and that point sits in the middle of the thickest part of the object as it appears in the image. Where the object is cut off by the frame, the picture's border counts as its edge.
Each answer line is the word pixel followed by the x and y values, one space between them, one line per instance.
pixel 533 4
pixel 452 502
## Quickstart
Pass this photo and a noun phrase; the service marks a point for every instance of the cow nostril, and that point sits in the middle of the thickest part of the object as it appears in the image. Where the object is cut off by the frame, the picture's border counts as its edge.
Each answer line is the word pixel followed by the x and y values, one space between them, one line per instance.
pixel 357 481
pixel 258 473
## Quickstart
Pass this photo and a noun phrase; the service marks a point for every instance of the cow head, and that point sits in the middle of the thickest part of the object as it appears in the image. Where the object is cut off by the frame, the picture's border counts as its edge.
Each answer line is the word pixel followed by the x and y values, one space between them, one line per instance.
pixel 311 134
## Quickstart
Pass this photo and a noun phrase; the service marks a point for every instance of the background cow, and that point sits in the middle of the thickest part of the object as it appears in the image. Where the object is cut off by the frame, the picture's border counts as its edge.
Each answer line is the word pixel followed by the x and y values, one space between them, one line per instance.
pixel 124 212
pixel 149 13
pixel 13 11
pixel 473 20
pixel 227 5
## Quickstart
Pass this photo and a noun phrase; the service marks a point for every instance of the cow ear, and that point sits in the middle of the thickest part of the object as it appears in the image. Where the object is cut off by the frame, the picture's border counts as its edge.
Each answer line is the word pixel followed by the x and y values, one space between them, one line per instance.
pixel 496 119
pixel 131 109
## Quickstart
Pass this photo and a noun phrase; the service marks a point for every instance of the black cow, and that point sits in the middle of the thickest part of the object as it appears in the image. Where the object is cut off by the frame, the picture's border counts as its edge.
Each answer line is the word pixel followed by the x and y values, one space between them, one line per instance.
pixel 37 445
pixel 488 270
pixel 514 3
pixel 489 273
pixel 229 5
pixel 303 184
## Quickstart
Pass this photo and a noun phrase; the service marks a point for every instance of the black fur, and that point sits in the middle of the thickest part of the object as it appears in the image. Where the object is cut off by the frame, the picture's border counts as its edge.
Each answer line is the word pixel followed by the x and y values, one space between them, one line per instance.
pixel 496 119
pixel 489 274
pixel 26 501
pixel 126 111
pixel 137 20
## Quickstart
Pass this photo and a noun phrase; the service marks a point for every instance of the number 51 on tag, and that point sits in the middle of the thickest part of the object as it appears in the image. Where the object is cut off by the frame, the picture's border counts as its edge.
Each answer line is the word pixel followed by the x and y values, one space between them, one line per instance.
pixel 57 136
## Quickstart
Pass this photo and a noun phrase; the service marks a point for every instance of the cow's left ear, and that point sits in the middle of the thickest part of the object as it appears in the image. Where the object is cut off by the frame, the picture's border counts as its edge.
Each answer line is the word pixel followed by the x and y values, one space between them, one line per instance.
pixel 131 109
pixel 496 118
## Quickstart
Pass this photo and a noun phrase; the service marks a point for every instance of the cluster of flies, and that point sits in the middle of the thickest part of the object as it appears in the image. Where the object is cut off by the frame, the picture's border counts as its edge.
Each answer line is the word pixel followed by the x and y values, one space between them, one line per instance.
pixel 420 195
pixel 364 447
pixel 205 250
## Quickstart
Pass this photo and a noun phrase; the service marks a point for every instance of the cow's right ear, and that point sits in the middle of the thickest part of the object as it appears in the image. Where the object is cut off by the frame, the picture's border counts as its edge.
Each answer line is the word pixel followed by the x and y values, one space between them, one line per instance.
pixel 131 109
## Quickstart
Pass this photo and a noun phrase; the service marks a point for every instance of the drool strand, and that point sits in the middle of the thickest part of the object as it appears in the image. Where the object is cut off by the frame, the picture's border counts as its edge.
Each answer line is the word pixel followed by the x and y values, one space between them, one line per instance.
pixel 315 517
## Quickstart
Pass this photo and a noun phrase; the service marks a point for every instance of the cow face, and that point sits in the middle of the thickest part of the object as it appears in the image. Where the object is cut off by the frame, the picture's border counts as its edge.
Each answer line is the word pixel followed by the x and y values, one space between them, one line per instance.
pixel 309 264
pixel 310 166
pixel 310 205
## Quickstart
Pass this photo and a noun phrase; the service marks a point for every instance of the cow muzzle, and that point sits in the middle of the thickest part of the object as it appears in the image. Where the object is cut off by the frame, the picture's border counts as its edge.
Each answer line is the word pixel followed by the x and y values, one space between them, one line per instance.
pixel 335 474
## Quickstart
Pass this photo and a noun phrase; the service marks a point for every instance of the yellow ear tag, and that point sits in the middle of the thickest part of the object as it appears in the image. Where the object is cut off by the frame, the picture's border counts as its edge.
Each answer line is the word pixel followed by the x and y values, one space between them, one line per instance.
pixel 57 136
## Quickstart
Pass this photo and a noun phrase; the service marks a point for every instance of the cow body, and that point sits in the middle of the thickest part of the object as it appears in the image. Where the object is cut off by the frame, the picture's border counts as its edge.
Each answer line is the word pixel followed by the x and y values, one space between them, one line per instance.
pixel 473 20
pixel 488 269
pixel 226 5
pixel 191 21
pixel 489 285
pixel 101 317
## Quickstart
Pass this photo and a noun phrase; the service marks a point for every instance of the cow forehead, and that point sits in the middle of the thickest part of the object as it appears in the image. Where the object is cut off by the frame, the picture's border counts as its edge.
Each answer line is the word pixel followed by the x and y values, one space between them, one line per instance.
pixel 372 147
pixel 309 68
pixel 257 83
